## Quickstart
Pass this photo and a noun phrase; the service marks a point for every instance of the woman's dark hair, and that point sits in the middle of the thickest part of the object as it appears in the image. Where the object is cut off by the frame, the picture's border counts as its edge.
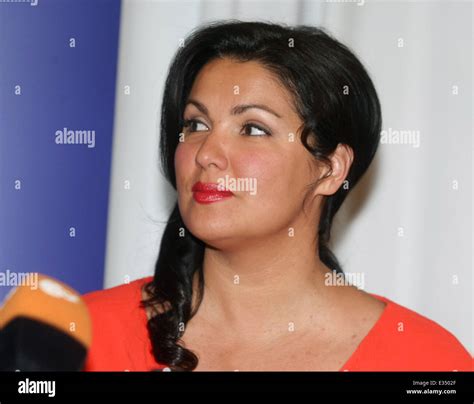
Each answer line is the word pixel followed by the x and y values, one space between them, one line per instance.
pixel 337 103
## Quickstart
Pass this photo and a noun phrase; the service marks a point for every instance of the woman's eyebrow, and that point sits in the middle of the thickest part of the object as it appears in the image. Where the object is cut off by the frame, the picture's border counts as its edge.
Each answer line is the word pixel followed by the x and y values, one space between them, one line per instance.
pixel 238 109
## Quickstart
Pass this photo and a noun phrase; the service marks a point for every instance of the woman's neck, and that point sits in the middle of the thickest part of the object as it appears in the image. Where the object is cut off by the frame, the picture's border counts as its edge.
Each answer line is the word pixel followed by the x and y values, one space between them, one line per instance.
pixel 265 290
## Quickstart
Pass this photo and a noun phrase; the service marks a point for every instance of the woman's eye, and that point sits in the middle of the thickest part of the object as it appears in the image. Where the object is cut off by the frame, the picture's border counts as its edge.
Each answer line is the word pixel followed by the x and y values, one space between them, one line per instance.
pixel 194 125
pixel 255 130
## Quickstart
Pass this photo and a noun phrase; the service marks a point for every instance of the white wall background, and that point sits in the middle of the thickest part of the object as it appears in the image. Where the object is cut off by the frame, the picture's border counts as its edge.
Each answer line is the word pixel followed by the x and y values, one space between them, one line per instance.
pixel 405 226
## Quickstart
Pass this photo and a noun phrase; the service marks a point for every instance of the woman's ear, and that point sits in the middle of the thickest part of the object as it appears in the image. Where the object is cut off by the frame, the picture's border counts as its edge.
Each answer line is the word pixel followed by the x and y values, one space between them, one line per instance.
pixel 332 177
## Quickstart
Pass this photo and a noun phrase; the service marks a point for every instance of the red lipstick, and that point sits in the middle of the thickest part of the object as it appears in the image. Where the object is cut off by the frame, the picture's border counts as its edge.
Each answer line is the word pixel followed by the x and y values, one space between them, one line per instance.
pixel 208 192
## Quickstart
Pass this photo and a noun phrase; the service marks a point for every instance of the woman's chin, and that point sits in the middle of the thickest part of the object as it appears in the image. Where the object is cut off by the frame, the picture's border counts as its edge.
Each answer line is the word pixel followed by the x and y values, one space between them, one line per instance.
pixel 211 234
pixel 218 237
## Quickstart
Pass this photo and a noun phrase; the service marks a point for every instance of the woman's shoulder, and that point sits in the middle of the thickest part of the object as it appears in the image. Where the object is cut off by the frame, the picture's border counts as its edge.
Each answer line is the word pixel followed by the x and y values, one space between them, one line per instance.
pixel 406 340
pixel 118 305
pixel 119 333
pixel 116 297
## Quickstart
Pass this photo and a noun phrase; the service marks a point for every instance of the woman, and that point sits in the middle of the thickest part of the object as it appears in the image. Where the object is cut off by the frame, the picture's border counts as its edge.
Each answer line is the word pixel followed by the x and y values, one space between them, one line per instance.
pixel 264 130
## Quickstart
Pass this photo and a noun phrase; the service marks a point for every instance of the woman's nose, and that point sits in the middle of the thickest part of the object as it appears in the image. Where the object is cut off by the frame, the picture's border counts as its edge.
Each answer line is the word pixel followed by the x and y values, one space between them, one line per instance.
pixel 212 152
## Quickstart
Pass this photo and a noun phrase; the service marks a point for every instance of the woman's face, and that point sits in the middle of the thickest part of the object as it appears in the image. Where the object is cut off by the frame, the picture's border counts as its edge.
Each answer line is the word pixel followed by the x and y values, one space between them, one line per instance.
pixel 242 134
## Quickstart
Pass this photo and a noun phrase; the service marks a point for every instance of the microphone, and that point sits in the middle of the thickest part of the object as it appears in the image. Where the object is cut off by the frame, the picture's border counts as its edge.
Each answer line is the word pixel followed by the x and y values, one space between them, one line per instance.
pixel 46 328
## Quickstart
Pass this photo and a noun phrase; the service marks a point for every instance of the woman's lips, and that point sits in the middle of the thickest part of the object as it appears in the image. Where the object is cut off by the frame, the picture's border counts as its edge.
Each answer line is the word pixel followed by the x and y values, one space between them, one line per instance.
pixel 208 192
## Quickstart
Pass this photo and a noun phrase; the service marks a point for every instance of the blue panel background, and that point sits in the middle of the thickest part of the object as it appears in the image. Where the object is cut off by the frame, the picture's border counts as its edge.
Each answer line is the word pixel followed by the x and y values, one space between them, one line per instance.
pixel 62 186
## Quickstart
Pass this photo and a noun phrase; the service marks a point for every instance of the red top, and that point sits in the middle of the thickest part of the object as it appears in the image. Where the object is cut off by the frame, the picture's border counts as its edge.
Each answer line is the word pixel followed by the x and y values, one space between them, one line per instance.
pixel 120 338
